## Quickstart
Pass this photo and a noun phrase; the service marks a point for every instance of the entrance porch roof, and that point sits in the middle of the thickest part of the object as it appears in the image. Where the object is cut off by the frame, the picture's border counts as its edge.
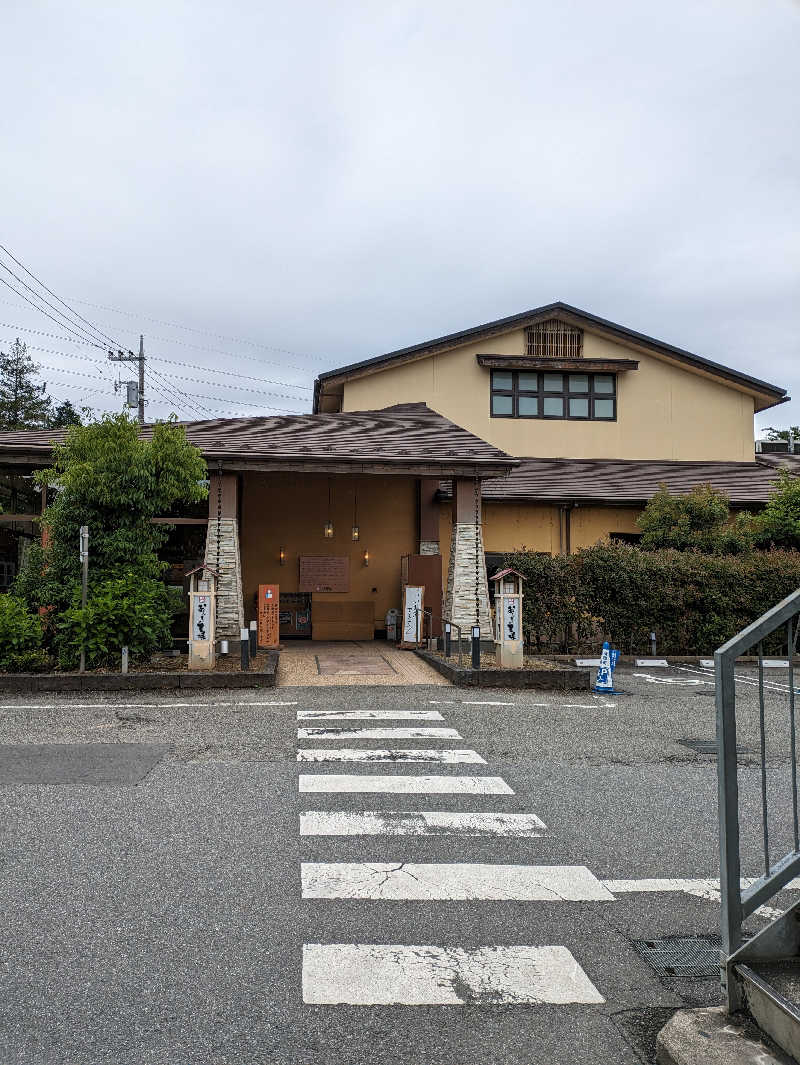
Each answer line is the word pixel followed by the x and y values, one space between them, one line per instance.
pixel 408 438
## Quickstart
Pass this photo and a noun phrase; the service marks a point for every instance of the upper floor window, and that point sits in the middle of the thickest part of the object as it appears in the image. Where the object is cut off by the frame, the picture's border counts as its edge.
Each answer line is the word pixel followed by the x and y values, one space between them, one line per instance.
pixel 580 396
pixel 554 339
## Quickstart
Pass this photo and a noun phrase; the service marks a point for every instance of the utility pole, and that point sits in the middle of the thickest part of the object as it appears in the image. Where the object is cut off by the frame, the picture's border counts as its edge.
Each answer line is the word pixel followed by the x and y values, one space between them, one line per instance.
pixel 135 389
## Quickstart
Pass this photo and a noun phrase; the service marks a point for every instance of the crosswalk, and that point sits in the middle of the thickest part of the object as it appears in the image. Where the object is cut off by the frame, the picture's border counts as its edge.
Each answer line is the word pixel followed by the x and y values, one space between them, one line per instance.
pixel 385 974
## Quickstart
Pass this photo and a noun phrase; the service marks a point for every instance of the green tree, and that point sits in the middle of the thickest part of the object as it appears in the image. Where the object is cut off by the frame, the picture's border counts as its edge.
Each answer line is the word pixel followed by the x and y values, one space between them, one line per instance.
pixel 778 525
pixel 783 434
pixel 114 481
pixel 64 415
pixel 23 401
pixel 699 520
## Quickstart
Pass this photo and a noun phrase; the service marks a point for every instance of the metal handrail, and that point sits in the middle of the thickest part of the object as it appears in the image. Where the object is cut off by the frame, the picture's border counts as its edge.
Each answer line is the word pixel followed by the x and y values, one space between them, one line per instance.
pixel 426 613
pixel 737 903
pixel 453 625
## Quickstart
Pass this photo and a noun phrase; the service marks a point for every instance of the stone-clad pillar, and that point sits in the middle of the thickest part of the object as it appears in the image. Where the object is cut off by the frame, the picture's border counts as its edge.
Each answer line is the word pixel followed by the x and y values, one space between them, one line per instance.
pixel 223 529
pixel 466 541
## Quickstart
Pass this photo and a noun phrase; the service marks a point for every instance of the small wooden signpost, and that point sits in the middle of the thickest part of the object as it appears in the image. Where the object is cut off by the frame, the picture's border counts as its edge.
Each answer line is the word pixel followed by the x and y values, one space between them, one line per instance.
pixel 413 622
pixel 268 615
pixel 508 618
pixel 202 617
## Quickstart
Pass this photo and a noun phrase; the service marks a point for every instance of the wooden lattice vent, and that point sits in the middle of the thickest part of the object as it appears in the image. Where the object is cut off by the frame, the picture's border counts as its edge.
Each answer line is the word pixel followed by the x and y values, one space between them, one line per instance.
pixel 554 340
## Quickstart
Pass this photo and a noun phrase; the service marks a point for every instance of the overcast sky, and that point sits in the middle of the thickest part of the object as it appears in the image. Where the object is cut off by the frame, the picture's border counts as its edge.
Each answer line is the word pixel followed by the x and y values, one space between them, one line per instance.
pixel 340 179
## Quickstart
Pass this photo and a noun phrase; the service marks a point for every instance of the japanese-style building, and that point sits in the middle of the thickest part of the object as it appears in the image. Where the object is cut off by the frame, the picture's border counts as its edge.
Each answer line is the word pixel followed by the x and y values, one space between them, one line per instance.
pixel 548 430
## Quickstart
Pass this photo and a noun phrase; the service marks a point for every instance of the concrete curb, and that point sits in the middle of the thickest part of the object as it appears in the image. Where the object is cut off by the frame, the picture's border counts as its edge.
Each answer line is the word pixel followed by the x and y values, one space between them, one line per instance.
pixel 713 1037
pixel 121 682
pixel 566 679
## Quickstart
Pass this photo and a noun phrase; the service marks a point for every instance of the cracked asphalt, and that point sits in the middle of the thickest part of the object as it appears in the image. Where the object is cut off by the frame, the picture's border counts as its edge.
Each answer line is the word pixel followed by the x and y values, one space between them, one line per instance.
pixel 157 917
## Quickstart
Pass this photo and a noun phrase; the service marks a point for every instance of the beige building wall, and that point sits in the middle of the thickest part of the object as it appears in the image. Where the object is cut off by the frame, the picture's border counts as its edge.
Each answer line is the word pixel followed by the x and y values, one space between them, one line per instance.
pixel 664 411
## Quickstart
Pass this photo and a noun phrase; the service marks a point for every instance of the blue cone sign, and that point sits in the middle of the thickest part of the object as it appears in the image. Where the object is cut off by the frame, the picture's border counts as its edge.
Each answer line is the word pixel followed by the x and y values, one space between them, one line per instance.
pixel 605 672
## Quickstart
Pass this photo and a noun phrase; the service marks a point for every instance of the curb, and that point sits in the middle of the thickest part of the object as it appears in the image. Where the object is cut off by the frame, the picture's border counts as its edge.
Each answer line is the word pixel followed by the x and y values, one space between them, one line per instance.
pixel 85 682
pixel 713 1037
pixel 566 679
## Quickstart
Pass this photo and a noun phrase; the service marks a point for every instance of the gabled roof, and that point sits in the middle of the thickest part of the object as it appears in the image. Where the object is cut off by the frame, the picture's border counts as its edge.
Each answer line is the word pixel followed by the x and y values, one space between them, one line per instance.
pixel 773 393
pixel 624 481
pixel 408 437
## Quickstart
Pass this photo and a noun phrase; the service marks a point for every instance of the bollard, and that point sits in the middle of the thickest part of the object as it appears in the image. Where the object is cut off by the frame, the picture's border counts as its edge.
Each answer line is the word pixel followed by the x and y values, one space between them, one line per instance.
pixel 245 647
pixel 476 647
pixel 447 639
pixel 253 638
pixel 124 659
pixel 223 647
pixel 653 644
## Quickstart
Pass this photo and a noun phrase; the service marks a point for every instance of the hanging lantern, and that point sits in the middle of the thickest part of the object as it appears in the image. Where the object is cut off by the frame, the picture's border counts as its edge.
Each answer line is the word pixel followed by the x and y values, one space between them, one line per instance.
pixel 327 529
pixel 356 533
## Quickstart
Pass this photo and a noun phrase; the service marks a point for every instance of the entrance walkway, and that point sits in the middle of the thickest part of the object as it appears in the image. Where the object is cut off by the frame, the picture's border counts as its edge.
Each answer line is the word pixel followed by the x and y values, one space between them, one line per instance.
pixel 306 662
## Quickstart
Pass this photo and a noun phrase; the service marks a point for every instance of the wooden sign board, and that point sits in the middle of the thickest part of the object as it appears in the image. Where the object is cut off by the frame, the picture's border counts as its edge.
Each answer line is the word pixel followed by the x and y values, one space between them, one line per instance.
pixel 268 624
pixel 324 573
pixel 413 621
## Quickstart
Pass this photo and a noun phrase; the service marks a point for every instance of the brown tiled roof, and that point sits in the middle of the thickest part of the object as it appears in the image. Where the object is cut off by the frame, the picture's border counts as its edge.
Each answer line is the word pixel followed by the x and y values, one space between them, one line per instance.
pixel 406 435
pixel 624 481
pixel 781 458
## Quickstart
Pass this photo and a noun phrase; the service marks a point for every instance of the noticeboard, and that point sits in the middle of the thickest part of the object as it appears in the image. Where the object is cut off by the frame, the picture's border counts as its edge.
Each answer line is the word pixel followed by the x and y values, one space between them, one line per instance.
pixel 268 628
pixel 324 573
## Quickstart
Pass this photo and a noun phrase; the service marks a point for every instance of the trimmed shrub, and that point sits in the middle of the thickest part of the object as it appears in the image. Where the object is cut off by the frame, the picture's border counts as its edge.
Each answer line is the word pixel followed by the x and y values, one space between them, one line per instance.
pixel 693 601
pixel 127 611
pixel 20 637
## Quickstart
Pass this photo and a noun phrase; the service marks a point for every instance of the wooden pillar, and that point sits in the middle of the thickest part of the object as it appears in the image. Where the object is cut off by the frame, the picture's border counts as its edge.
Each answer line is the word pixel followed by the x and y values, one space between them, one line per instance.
pixel 428 516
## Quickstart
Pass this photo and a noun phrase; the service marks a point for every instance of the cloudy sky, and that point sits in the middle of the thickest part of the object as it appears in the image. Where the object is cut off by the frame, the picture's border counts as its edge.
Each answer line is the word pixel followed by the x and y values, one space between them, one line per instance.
pixel 271 190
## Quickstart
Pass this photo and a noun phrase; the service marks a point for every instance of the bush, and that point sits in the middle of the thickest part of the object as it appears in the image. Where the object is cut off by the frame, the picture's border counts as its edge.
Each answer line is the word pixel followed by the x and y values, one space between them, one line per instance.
pixel 693 602
pixel 127 611
pixel 778 524
pixel 699 520
pixel 20 637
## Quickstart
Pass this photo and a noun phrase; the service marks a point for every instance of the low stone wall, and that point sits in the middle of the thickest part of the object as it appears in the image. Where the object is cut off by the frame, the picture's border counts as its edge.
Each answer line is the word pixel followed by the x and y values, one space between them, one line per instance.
pixel 121 682
pixel 566 679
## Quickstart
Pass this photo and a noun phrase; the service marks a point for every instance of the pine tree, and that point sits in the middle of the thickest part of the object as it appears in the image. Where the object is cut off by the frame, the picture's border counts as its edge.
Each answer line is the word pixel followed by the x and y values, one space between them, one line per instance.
pixel 23 402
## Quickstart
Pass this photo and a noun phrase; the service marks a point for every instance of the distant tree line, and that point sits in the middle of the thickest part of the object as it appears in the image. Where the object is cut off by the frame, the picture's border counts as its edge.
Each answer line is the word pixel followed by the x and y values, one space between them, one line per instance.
pixel 24 402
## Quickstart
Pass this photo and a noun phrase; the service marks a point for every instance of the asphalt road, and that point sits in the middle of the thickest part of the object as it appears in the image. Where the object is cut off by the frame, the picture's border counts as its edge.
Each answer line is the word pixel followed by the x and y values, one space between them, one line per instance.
pixel 152 859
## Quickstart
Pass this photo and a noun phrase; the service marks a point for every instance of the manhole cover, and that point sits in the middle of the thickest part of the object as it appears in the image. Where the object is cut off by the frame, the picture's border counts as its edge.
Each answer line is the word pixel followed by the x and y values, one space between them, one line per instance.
pixel 693 956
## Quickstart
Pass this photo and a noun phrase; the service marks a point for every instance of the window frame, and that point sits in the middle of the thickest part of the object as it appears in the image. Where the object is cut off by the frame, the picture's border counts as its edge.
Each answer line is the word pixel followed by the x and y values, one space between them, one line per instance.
pixel 565 394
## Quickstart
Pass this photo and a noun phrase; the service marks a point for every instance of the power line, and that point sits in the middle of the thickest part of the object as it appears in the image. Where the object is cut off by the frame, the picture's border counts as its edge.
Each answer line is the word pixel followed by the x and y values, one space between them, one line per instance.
pixel 74 327
pixel 154 358
pixel 52 319
pixel 204 332
pixel 41 284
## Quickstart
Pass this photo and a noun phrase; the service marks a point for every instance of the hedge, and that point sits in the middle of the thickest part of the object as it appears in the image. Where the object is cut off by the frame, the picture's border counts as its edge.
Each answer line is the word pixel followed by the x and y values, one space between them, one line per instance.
pixel 693 602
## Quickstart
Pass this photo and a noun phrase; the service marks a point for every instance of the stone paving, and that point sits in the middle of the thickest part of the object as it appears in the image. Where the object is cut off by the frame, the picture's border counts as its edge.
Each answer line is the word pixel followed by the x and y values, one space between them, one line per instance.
pixel 320 664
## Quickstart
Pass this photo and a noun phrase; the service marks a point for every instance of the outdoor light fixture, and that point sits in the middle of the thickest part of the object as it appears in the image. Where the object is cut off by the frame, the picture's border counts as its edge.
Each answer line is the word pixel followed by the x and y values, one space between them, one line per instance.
pixel 282 556
pixel 327 529
pixel 356 532
pixel 366 558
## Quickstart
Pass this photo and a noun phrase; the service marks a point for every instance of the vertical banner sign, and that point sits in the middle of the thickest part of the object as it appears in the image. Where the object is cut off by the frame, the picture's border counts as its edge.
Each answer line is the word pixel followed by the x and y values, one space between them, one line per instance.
pixel 512 618
pixel 413 623
pixel 202 607
pixel 268 615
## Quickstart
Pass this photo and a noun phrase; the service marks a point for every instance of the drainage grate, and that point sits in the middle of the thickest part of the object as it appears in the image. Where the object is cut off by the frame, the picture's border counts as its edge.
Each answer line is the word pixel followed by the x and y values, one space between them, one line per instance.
pixel 696 957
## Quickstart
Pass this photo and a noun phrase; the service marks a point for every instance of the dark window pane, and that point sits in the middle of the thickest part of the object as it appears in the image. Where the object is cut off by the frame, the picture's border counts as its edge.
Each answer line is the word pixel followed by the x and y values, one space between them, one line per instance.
pixel 502 404
pixel 554 382
pixel 553 406
pixel 604 408
pixel 501 379
pixel 579 408
pixel 578 382
pixel 528 406
pixel 528 382
pixel 604 382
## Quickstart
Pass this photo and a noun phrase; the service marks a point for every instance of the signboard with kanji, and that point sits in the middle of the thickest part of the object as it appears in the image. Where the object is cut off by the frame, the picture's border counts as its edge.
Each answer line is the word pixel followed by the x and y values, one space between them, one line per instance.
pixel 268 616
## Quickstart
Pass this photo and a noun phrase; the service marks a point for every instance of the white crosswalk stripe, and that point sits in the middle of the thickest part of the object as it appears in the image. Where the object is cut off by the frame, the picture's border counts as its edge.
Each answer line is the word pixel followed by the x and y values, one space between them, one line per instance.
pixel 423 823
pixel 409 785
pixel 395 755
pixel 386 974
pixel 445 880
pixel 418 732
pixel 366 974
pixel 368 715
